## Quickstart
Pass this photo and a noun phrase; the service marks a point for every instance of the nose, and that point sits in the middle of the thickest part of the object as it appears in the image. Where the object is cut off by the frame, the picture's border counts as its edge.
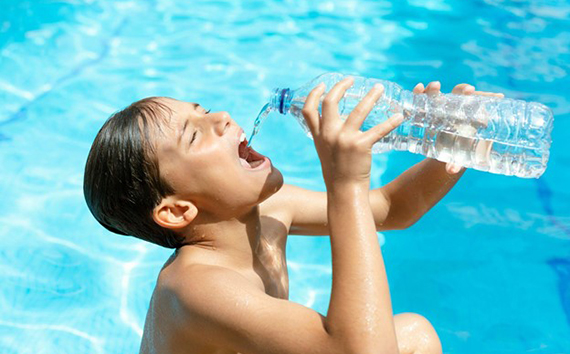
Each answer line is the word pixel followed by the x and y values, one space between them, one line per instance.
pixel 221 122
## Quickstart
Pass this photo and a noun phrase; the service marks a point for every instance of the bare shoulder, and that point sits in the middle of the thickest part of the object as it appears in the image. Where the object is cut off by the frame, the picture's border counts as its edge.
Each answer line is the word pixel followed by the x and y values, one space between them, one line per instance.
pixel 207 305
pixel 220 308
pixel 195 286
pixel 192 307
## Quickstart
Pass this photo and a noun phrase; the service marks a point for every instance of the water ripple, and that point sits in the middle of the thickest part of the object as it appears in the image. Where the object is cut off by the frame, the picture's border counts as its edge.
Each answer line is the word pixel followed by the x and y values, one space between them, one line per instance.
pixel 65 66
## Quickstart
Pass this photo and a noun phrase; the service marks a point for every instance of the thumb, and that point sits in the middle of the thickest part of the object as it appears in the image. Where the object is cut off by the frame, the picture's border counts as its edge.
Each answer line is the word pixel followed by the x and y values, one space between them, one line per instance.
pixel 453 168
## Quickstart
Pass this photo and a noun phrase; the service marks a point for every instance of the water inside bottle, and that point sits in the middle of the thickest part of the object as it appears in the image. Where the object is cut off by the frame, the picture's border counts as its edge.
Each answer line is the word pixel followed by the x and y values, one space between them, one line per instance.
pixel 258 122
pixel 462 150
pixel 483 154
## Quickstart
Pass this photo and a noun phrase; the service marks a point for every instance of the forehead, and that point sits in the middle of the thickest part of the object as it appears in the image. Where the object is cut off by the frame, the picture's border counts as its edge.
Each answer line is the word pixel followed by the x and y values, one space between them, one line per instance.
pixel 170 120
pixel 179 110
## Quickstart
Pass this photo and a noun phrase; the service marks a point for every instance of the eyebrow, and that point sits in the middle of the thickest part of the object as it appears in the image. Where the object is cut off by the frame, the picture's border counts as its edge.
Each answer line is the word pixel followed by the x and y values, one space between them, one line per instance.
pixel 194 105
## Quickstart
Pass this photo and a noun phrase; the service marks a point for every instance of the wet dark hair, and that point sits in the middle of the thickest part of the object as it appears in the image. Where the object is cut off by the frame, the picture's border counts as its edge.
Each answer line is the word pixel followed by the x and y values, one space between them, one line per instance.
pixel 122 183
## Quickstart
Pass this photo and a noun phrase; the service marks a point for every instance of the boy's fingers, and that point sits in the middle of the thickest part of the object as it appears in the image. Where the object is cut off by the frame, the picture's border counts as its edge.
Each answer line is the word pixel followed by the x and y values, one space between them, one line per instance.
pixel 311 108
pixel 361 111
pixel 468 90
pixel 419 88
pixel 381 130
pixel 433 88
pixel 489 94
pixel 459 89
pixel 330 103
pixel 452 168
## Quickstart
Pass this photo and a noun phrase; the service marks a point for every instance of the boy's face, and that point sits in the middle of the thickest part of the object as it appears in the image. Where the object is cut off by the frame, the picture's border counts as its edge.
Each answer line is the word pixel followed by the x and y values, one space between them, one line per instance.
pixel 199 156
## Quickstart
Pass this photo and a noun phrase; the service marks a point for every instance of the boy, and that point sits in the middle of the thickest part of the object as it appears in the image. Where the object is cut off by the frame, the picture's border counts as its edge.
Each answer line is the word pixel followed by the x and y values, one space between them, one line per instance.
pixel 174 174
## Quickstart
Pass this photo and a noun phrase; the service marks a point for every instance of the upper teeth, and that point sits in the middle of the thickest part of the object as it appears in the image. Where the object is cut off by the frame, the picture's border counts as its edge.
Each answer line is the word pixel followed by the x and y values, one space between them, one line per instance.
pixel 242 137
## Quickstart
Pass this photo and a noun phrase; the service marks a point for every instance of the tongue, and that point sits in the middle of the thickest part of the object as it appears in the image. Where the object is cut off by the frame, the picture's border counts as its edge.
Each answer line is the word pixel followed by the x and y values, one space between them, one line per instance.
pixel 249 158
pixel 250 165
pixel 255 163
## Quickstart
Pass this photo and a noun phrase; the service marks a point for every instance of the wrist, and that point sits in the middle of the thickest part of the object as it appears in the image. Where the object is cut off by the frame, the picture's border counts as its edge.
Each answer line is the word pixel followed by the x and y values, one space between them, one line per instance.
pixel 348 189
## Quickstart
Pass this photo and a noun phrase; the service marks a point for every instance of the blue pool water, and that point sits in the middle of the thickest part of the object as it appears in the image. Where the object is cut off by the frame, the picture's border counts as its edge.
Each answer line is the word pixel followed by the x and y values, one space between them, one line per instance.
pixel 489 265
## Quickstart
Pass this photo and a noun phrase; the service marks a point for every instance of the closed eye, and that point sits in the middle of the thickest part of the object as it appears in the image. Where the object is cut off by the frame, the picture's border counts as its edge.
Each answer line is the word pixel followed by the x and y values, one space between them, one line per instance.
pixel 195 131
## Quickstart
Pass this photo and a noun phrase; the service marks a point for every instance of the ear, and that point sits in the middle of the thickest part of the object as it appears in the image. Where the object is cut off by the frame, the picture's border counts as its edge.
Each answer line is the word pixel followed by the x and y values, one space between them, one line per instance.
pixel 174 214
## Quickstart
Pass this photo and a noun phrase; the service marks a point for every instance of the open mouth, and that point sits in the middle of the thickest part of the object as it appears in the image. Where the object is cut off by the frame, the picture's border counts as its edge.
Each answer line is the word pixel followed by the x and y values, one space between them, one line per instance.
pixel 249 158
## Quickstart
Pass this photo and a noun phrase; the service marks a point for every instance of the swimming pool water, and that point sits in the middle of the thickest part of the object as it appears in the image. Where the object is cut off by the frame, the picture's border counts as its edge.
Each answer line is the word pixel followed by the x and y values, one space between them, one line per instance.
pixel 489 265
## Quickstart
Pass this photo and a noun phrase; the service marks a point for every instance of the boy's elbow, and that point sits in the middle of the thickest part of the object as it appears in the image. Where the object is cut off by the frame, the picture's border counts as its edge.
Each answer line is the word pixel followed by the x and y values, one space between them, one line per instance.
pixel 409 222
pixel 361 345
pixel 398 223
pixel 372 346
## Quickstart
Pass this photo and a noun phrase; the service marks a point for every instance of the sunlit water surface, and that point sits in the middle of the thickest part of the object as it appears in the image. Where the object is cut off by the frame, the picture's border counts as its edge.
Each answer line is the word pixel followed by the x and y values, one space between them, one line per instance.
pixel 489 265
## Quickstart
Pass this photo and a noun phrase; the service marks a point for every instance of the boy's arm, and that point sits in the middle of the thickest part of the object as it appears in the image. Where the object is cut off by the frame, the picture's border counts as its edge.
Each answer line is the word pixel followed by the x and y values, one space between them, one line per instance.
pixel 218 307
pixel 406 199
pixel 397 205
pixel 226 311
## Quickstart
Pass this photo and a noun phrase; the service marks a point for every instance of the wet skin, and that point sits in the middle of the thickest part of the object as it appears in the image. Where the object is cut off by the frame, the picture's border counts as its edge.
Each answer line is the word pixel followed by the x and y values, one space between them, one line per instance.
pixel 227 287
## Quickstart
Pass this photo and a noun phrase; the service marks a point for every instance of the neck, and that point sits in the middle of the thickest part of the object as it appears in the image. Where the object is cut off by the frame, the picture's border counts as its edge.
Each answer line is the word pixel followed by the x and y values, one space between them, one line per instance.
pixel 232 239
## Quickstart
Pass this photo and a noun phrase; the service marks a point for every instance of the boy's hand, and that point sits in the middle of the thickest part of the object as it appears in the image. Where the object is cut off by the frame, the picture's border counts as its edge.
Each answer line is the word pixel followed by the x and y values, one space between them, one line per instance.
pixel 344 150
pixel 434 88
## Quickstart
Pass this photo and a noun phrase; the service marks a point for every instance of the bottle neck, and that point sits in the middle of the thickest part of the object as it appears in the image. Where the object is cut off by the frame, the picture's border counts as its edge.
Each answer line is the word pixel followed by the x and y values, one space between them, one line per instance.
pixel 281 100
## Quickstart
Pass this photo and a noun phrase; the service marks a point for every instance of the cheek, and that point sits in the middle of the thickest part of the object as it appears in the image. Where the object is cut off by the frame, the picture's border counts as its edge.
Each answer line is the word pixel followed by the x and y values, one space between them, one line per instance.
pixel 217 178
pixel 221 181
pixel 232 185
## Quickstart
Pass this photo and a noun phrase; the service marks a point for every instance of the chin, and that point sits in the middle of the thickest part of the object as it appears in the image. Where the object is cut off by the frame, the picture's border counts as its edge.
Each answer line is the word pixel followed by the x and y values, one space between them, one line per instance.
pixel 273 183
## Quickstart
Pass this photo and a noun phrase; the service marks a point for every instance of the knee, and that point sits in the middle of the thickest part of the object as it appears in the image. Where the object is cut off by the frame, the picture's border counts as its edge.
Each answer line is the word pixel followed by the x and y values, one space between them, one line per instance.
pixel 416 335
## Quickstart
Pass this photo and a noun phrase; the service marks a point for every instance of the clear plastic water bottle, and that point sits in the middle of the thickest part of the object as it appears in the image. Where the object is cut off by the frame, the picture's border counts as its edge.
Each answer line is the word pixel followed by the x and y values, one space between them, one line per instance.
pixel 498 135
